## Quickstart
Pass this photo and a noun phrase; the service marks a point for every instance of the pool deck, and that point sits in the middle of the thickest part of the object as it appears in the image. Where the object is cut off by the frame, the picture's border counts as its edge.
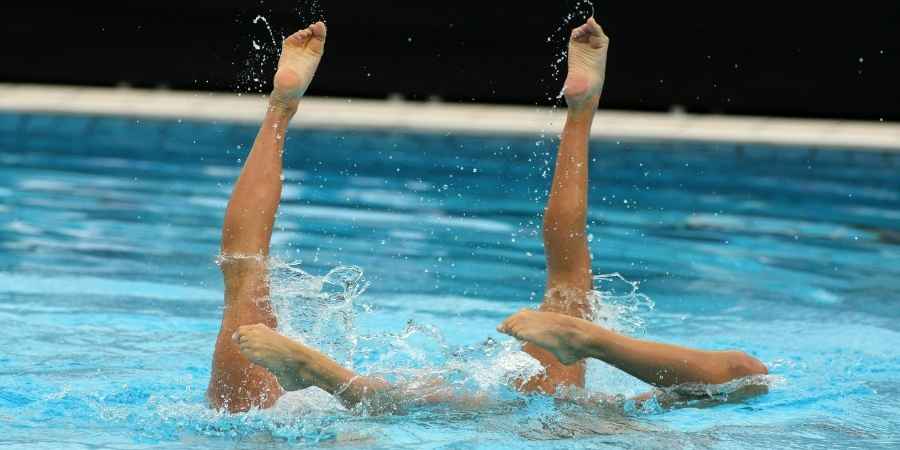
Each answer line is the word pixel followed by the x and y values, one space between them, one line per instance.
pixel 338 113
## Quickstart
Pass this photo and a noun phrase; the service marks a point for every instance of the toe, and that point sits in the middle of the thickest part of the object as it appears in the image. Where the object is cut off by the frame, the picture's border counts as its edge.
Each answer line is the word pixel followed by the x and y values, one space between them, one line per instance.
pixel 504 326
pixel 318 29
pixel 295 39
pixel 578 33
pixel 317 40
pixel 512 327
pixel 508 326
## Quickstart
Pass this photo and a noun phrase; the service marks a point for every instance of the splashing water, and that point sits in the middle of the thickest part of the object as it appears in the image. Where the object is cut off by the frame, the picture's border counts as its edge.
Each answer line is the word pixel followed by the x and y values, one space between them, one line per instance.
pixel 318 310
pixel 259 60
pixel 617 304
pixel 321 311
pixel 559 36
pixel 268 27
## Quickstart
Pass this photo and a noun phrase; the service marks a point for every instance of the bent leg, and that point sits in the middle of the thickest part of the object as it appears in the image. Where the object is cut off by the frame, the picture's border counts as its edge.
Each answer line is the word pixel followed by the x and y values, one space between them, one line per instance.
pixel 570 340
pixel 565 217
pixel 236 384
pixel 298 366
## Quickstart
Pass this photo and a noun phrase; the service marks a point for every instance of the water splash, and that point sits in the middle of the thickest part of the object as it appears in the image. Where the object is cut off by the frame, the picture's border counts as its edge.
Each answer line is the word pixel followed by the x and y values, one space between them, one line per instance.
pixel 259 60
pixel 268 28
pixel 480 378
pixel 560 36
pixel 319 311
pixel 618 305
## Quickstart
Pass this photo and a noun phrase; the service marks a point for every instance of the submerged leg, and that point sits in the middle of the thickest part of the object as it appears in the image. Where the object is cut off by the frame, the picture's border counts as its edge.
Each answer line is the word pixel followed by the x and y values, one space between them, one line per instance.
pixel 662 365
pixel 236 384
pixel 565 217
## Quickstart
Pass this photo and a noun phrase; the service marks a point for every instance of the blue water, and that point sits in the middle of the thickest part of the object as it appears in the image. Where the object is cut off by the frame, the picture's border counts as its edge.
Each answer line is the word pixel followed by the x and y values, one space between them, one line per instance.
pixel 110 299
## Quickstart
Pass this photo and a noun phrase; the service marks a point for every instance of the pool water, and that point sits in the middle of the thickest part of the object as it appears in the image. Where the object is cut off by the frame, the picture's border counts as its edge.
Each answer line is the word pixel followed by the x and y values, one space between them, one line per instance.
pixel 110 298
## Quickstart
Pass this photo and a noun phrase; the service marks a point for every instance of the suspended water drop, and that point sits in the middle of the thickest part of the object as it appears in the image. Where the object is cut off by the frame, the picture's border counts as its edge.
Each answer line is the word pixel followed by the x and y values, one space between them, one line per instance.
pixel 272 35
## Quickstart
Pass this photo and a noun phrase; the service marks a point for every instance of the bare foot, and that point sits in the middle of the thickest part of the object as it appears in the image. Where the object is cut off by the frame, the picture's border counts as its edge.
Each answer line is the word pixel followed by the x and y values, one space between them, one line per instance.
pixel 587 65
pixel 280 355
pixel 562 335
pixel 300 56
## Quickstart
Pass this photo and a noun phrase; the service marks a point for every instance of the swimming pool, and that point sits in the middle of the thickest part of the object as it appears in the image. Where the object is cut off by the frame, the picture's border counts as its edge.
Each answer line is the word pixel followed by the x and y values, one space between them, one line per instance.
pixel 111 300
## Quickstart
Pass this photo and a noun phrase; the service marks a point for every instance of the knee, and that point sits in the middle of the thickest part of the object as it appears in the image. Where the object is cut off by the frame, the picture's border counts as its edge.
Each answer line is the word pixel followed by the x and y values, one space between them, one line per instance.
pixel 741 365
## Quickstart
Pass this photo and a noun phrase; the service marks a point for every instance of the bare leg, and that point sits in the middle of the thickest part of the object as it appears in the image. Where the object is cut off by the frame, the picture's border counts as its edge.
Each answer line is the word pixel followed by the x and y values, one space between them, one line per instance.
pixel 236 384
pixel 568 259
pixel 558 336
pixel 298 366
pixel 570 340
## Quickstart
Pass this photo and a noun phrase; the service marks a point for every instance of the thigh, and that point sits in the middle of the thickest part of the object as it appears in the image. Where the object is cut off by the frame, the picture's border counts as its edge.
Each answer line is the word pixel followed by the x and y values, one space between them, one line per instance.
pixel 236 384
pixel 564 298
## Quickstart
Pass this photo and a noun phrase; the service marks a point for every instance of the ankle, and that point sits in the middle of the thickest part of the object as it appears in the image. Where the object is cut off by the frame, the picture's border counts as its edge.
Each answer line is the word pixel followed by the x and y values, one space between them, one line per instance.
pixel 297 357
pixel 585 340
pixel 283 106
pixel 583 108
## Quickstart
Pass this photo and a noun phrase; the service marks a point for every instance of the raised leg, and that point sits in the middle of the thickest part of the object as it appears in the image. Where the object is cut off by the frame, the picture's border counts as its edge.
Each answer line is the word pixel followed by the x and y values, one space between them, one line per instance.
pixel 570 340
pixel 236 384
pixel 565 217
pixel 557 335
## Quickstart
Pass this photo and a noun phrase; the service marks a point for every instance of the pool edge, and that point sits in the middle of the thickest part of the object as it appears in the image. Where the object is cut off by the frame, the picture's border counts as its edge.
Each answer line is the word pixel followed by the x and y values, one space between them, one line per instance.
pixel 344 113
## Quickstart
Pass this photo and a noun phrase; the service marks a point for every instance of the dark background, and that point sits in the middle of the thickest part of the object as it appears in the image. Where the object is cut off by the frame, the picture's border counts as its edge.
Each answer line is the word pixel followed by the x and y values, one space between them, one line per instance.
pixel 787 59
